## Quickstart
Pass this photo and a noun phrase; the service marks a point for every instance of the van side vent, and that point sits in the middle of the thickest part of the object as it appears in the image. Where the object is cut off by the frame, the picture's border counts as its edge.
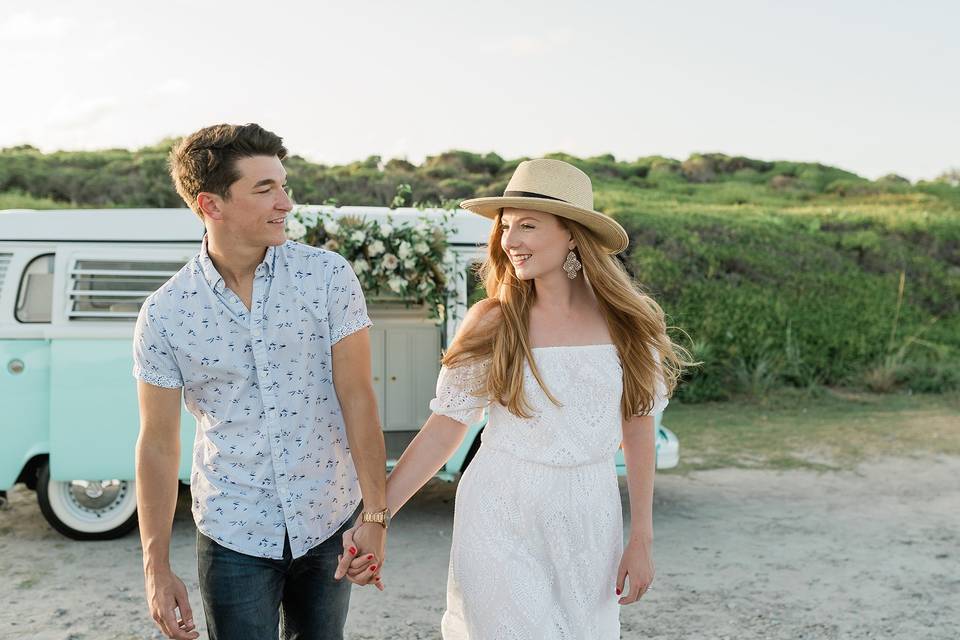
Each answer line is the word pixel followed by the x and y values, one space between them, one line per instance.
pixel 4 263
pixel 114 289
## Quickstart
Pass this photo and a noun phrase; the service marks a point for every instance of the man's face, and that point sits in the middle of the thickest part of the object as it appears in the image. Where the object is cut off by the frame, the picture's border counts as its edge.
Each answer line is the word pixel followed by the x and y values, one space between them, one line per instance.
pixel 258 204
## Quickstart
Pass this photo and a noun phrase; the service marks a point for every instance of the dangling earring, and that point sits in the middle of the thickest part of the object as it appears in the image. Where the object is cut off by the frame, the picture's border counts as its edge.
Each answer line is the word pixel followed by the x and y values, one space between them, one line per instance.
pixel 571 265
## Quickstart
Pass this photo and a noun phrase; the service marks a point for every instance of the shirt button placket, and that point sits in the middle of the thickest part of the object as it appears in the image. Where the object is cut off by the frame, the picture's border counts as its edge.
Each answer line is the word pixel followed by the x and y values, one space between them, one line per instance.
pixel 275 436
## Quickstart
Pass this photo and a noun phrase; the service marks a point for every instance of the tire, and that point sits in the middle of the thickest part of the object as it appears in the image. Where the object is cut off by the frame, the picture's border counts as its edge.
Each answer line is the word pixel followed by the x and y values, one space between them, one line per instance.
pixel 87 510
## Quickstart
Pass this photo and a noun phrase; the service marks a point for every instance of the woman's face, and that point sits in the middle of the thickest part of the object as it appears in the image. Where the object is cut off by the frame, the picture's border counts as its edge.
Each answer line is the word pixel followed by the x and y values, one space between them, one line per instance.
pixel 536 243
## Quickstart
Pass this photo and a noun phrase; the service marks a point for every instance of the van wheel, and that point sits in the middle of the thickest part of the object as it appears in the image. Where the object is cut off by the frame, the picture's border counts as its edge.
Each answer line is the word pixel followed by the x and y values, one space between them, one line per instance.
pixel 87 509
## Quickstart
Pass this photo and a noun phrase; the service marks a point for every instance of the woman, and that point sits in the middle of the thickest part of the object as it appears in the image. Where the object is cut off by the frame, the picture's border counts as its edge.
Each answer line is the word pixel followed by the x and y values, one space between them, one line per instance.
pixel 571 352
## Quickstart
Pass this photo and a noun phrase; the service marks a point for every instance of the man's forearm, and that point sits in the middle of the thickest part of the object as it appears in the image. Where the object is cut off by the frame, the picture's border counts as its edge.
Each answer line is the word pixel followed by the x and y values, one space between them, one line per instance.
pixel 365 438
pixel 157 486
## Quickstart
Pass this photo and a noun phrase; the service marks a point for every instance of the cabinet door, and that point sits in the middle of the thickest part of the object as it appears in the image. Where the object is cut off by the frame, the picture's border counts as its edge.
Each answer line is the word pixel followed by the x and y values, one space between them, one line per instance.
pixel 412 365
pixel 377 348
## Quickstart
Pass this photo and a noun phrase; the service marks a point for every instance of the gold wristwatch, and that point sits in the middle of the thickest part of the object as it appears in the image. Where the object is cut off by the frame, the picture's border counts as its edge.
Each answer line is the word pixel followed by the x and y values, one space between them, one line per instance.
pixel 381 517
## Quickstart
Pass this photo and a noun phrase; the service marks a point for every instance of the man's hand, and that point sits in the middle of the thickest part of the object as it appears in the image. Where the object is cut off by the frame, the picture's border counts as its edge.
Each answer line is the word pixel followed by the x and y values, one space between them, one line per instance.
pixel 166 594
pixel 364 551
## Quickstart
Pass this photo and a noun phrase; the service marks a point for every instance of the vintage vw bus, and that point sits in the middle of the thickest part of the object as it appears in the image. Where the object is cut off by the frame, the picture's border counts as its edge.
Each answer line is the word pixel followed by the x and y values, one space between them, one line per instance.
pixel 71 285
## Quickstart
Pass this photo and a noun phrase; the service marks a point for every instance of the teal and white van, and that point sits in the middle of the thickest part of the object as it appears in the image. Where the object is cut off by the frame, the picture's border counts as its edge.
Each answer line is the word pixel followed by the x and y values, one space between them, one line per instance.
pixel 71 285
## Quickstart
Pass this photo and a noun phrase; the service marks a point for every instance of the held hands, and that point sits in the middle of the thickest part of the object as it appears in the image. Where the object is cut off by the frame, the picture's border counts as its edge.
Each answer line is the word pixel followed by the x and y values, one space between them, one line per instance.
pixel 637 563
pixel 364 551
pixel 166 594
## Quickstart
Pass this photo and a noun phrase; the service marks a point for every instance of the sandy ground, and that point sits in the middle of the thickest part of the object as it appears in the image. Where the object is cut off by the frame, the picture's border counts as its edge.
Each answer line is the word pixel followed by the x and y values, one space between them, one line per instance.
pixel 872 553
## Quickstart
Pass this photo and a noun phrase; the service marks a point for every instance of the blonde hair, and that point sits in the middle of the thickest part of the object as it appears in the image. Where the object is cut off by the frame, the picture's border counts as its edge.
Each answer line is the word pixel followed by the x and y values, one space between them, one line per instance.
pixel 636 323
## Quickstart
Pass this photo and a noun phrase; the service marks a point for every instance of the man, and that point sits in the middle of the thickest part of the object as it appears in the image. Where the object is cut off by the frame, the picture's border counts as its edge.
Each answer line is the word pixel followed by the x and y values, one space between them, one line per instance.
pixel 267 340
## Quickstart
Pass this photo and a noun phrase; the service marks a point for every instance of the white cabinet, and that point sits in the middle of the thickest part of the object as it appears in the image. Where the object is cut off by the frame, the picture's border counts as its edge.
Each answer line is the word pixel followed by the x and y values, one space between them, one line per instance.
pixel 405 362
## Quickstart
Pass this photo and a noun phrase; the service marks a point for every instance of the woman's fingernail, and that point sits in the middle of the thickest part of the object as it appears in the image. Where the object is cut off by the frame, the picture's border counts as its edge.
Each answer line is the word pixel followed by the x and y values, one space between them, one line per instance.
pixel 373 567
pixel 618 591
pixel 353 550
pixel 370 557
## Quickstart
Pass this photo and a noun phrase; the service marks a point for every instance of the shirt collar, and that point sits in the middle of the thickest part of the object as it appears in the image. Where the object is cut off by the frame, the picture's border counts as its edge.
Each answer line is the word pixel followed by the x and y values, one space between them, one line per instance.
pixel 213 277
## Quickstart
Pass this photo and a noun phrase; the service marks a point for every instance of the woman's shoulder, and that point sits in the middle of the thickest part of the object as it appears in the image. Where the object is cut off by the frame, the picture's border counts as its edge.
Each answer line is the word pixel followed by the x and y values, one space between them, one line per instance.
pixel 485 314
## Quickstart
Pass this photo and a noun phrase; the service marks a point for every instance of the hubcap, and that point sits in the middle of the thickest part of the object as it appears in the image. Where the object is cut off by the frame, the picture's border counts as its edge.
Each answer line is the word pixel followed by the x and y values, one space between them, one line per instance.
pixel 95 495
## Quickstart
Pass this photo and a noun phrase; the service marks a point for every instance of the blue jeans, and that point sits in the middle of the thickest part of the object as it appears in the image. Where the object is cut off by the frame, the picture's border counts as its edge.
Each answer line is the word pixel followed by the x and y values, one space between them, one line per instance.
pixel 251 598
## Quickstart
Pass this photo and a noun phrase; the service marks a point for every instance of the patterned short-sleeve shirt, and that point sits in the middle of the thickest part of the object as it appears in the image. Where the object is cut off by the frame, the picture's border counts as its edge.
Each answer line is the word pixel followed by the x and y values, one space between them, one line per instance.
pixel 270 456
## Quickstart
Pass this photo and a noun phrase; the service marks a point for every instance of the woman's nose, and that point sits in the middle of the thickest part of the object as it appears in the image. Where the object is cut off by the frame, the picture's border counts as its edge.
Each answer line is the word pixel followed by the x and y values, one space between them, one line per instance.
pixel 508 239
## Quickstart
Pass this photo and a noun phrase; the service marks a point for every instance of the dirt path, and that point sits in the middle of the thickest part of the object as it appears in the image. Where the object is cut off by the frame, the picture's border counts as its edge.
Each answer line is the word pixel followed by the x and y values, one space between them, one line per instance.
pixel 740 554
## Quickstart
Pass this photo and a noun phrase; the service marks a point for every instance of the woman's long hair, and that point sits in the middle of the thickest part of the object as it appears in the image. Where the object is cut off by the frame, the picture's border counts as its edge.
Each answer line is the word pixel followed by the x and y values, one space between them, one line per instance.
pixel 635 321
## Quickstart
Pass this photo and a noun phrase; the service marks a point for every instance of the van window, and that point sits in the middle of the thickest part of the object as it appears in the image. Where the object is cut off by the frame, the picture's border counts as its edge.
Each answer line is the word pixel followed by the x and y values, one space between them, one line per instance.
pixel 35 300
pixel 114 289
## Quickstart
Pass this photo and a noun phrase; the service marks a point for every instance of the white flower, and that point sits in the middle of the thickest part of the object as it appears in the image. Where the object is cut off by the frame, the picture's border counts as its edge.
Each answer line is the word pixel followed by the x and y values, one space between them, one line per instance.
pixel 405 250
pixel 358 236
pixel 360 266
pixel 390 262
pixel 409 264
pixel 331 245
pixel 422 248
pixel 449 258
pixel 332 227
pixel 422 228
pixel 296 230
pixel 424 286
pixel 397 284
pixel 376 248
pixel 386 230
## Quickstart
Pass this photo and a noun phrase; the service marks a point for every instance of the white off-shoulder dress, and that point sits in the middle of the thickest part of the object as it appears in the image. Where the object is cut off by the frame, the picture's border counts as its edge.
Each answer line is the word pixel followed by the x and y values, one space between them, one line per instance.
pixel 538 527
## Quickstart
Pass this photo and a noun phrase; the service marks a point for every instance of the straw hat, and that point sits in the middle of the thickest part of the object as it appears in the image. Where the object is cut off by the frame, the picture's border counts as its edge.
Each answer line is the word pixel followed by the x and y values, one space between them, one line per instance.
pixel 556 187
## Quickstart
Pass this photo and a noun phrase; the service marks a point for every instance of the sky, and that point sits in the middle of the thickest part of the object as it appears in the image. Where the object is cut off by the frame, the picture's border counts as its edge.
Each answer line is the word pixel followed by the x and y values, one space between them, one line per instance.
pixel 869 86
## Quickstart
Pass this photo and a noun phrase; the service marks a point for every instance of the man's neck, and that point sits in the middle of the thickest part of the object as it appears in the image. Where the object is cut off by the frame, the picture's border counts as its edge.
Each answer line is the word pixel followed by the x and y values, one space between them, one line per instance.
pixel 236 265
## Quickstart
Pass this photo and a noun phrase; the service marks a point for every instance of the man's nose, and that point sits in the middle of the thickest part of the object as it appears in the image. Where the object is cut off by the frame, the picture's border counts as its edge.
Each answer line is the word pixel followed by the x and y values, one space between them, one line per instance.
pixel 286 202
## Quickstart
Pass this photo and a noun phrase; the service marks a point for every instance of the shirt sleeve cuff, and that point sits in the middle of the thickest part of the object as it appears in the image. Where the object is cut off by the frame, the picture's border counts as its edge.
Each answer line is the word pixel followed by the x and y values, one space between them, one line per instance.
pixel 349 329
pixel 157 379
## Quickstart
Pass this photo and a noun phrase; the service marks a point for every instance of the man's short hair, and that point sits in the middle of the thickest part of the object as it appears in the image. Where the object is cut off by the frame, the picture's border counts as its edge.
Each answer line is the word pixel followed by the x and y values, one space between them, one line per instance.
pixel 206 160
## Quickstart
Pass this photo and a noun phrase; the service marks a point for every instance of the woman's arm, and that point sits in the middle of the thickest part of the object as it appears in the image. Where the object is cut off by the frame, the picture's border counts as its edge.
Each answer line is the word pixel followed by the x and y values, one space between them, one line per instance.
pixel 423 457
pixel 429 450
pixel 640 456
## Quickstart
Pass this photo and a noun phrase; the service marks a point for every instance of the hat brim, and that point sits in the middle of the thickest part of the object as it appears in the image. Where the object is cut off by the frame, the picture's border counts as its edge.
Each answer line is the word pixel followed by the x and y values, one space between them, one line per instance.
pixel 613 237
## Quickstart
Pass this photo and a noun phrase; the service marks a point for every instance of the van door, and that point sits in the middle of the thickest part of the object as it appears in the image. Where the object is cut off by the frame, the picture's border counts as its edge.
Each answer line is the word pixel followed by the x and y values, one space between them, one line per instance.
pixel 26 293
pixel 94 414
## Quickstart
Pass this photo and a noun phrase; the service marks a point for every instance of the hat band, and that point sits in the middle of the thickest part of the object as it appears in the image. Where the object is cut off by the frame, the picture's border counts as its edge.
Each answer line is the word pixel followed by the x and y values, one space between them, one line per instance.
pixel 530 194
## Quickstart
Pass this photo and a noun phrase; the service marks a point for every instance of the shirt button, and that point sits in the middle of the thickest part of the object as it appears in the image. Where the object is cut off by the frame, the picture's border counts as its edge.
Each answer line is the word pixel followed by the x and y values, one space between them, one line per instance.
pixel 255 333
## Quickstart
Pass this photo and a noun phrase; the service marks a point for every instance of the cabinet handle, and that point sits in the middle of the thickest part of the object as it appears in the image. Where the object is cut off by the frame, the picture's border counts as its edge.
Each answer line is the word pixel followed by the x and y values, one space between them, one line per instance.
pixel 376 378
pixel 15 366
pixel 393 378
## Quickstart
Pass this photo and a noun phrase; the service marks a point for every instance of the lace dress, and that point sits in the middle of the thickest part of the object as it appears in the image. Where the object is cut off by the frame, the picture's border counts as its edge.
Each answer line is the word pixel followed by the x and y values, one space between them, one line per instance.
pixel 538 530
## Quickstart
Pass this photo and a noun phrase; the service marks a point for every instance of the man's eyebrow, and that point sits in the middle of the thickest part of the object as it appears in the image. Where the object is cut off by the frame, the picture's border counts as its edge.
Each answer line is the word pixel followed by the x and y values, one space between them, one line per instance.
pixel 266 181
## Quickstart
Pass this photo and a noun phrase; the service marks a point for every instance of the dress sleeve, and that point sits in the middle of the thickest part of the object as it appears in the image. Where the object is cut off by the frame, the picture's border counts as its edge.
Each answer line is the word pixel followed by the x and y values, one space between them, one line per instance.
pixel 457 392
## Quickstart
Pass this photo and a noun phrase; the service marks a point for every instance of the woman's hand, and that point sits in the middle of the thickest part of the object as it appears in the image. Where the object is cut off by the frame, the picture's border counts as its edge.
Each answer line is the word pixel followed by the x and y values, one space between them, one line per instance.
pixel 364 550
pixel 637 563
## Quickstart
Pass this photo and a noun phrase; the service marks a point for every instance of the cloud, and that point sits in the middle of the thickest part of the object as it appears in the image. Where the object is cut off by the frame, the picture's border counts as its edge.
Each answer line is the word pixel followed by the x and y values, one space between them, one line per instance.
pixel 531 45
pixel 170 87
pixel 26 26
pixel 86 113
